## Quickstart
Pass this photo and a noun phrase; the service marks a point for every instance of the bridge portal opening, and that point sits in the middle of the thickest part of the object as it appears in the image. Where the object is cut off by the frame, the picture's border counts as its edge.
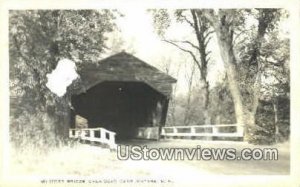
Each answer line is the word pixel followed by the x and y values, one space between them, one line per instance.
pixel 122 107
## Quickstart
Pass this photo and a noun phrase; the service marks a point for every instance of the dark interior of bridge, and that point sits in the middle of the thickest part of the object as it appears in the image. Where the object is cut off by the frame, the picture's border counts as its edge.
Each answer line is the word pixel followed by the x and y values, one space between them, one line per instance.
pixel 120 107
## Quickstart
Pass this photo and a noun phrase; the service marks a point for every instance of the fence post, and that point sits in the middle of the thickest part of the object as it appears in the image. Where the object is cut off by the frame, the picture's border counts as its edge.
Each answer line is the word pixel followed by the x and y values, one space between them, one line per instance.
pixel 214 130
pixel 240 130
pixel 83 135
pixel 175 130
pixel 102 135
pixel 193 130
pixel 70 133
pixel 92 135
pixel 112 142
pixel 77 132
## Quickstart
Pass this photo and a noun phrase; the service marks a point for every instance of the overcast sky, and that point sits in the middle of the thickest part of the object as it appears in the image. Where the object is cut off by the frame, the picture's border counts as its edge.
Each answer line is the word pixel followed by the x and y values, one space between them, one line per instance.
pixel 138 33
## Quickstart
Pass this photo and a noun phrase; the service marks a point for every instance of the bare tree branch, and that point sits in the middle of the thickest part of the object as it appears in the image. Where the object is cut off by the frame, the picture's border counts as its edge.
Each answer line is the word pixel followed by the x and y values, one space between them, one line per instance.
pixel 188 21
pixel 207 34
pixel 207 58
pixel 208 53
pixel 197 30
pixel 207 42
pixel 186 42
pixel 185 50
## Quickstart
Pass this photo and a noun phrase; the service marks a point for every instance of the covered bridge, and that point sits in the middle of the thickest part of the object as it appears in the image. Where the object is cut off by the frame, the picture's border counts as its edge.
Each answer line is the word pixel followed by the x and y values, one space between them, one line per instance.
pixel 124 94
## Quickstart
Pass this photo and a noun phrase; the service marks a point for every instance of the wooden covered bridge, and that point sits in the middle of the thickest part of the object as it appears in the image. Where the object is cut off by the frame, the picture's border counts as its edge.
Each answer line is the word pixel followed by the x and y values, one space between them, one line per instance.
pixel 124 98
pixel 125 95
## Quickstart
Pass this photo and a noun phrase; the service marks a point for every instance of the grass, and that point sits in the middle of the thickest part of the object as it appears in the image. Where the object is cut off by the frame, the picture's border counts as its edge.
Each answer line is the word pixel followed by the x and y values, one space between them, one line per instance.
pixel 85 160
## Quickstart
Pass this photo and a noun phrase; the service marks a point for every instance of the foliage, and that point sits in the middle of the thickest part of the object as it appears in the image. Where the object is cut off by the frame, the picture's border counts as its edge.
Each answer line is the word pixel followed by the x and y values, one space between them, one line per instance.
pixel 38 39
pixel 263 70
pixel 161 20
pixel 272 130
pixel 256 59
pixel 196 48
pixel 221 107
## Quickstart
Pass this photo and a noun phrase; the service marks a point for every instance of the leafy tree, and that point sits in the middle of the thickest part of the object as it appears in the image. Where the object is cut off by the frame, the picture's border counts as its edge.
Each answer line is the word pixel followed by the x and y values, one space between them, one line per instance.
pixel 228 25
pixel 276 88
pixel 221 104
pixel 199 52
pixel 38 39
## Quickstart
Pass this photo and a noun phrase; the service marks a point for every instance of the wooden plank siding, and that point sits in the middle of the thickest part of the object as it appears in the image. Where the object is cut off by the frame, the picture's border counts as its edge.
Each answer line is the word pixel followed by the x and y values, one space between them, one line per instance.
pixel 126 67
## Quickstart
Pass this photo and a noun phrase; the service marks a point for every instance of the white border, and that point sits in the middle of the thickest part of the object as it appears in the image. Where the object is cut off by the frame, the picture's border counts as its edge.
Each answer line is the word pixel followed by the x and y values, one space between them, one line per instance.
pixel 213 180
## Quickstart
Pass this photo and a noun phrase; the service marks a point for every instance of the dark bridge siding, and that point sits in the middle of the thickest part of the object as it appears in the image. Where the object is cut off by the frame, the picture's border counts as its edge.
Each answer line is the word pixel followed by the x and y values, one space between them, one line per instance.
pixel 141 102
pixel 125 67
pixel 121 107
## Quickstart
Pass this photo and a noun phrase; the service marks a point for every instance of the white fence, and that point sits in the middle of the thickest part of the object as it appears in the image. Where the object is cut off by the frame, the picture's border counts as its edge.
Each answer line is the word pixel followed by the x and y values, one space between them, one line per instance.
pixel 99 135
pixel 226 130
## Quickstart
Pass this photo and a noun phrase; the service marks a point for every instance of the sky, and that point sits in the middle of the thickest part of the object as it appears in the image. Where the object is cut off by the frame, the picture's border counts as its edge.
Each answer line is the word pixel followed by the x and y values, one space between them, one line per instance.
pixel 138 33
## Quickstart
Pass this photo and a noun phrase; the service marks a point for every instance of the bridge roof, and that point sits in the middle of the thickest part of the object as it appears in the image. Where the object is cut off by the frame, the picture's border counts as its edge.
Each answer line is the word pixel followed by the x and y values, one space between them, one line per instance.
pixel 126 67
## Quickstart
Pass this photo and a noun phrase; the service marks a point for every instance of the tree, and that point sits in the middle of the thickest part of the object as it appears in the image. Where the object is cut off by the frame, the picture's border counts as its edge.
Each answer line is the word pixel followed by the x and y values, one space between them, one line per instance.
pixel 221 104
pixel 117 44
pixel 165 66
pixel 189 110
pixel 276 88
pixel 38 39
pixel 227 24
pixel 199 52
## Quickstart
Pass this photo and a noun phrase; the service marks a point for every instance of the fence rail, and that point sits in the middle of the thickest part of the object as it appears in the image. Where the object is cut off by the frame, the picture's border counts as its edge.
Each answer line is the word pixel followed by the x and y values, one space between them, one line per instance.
pixel 226 130
pixel 99 135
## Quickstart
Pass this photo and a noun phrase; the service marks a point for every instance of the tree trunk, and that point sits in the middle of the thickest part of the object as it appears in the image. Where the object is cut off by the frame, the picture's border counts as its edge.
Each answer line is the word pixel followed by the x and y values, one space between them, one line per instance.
pixel 186 119
pixel 231 69
pixel 223 26
pixel 206 103
pixel 275 108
